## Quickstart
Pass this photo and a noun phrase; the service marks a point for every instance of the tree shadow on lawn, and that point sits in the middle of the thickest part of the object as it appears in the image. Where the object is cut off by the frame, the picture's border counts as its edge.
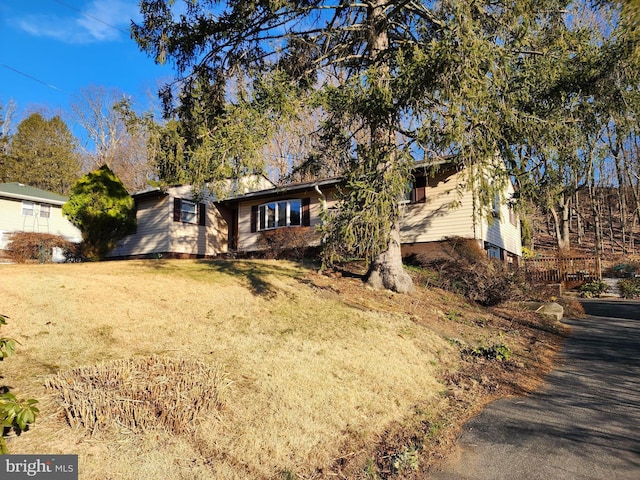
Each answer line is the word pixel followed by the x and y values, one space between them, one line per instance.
pixel 255 272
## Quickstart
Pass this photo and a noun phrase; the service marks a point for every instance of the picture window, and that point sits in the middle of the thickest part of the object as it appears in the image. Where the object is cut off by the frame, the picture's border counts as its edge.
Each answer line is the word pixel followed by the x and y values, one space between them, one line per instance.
pixel 287 213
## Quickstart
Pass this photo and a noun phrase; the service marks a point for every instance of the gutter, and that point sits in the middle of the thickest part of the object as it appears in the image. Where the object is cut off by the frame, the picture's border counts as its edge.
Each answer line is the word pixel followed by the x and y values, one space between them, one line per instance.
pixel 17 196
pixel 282 191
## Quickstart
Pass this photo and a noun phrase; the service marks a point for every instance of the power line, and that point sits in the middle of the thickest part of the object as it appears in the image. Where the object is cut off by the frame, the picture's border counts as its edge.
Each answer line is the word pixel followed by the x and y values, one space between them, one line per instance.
pixel 71 7
pixel 33 78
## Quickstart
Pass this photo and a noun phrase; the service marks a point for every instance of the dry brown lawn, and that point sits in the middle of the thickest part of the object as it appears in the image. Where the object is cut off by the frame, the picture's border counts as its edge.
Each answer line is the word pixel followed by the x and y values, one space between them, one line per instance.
pixel 326 378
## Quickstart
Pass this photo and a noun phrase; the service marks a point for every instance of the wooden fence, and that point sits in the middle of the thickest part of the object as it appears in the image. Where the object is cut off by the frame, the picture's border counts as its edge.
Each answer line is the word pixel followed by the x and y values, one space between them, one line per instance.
pixel 563 269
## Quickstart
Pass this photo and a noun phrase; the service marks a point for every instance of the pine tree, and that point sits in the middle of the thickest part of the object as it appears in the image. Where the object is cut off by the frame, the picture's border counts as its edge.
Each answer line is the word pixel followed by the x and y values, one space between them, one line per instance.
pixel 42 154
pixel 396 81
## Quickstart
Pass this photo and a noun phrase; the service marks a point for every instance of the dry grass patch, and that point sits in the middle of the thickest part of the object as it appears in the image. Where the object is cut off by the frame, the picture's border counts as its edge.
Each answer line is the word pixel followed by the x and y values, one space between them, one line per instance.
pixel 412 446
pixel 329 378
pixel 315 378
pixel 140 394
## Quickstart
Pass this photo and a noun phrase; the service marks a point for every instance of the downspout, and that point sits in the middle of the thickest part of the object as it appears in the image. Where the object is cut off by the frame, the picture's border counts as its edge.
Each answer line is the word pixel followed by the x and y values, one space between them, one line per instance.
pixel 478 227
pixel 324 198
pixel 323 206
pixel 477 215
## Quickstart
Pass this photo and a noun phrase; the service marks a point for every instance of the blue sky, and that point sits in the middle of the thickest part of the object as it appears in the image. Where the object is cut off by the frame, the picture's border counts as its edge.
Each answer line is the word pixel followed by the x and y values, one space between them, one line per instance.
pixel 51 49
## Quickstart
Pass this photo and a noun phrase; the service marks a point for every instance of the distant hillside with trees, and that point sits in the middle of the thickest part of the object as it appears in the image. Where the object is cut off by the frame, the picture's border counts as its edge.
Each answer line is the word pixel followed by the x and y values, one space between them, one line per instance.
pixel 606 220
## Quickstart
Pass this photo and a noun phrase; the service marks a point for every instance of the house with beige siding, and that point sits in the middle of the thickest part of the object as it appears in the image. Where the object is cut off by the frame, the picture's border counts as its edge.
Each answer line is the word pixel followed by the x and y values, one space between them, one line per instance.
pixel 171 223
pixel 443 205
pixel 175 222
pixel 298 205
pixel 29 209
pixel 439 206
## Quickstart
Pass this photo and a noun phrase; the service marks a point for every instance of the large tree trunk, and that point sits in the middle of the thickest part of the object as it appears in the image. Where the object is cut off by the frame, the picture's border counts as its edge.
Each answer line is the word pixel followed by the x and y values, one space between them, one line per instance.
pixel 387 271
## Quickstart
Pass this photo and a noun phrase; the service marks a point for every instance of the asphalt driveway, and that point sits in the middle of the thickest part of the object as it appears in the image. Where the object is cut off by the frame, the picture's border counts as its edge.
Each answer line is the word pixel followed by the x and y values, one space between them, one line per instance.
pixel 584 423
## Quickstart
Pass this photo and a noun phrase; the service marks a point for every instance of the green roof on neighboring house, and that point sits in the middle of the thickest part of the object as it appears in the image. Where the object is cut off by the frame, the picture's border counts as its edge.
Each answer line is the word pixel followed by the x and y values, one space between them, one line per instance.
pixel 25 192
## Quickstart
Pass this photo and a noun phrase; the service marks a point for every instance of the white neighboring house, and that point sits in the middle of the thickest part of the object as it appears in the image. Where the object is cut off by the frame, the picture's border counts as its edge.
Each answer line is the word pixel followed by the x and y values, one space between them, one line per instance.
pixel 29 209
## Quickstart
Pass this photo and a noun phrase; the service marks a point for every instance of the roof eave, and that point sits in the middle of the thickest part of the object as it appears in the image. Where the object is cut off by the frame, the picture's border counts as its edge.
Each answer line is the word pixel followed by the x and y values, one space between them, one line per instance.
pixel 156 192
pixel 278 191
pixel 32 198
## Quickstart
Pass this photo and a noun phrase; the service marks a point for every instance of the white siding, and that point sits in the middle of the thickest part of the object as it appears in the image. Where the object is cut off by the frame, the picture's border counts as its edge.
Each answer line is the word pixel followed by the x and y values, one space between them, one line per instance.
pixel 12 220
pixel 501 232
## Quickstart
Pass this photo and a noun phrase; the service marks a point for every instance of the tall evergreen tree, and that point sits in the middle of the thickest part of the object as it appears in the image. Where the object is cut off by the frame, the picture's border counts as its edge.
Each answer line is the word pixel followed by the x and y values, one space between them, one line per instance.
pixel 396 81
pixel 42 153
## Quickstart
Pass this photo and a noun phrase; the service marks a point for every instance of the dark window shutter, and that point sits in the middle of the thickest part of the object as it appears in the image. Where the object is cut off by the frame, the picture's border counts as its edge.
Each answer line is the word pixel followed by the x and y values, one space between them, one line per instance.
pixel 177 210
pixel 135 213
pixel 233 230
pixel 202 214
pixel 306 212
pixel 420 190
pixel 254 218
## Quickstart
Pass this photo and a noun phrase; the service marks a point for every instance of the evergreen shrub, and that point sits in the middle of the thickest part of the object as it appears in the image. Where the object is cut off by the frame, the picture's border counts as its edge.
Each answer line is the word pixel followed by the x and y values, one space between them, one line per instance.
pixel 593 289
pixel 629 287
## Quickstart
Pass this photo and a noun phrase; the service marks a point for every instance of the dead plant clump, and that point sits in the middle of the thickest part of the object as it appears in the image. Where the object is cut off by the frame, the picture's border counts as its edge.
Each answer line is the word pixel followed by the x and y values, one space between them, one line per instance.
pixel 27 247
pixel 140 394
pixel 462 267
pixel 287 243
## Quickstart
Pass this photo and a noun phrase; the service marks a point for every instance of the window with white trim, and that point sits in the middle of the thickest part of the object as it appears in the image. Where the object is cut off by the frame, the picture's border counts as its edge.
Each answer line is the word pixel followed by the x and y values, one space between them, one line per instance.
pixel 189 211
pixel 45 210
pixel 285 213
pixel 513 216
pixel 495 206
pixel 28 208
